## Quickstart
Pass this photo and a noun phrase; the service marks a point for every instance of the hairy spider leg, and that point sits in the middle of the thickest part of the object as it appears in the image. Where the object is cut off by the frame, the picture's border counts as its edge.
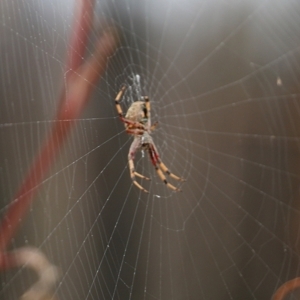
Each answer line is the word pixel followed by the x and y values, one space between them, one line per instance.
pixel 163 166
pixel 131 155
pixel 153 127
pixel 147 111
pixel 132 125
pixel 148 114
pixel 135 131
pixel 153 157
pixel 117 101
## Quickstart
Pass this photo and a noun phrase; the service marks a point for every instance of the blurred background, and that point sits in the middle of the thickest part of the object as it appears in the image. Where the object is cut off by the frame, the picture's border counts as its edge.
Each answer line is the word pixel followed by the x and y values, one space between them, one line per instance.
pixel 223 80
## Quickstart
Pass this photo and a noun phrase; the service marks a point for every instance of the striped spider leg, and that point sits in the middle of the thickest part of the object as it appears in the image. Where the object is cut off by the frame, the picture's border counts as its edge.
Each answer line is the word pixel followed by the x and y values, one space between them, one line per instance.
pixel 137 122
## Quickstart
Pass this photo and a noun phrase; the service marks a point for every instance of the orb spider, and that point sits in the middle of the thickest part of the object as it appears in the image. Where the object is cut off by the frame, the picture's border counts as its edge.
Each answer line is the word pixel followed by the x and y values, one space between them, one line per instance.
pixel 137 122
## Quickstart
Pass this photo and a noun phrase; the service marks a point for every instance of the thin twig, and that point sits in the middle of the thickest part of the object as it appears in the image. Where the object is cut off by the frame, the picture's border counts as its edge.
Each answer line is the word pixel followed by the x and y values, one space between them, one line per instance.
pixel 286 289
pixel 34 259
pixel 82 25
pixel 81 79
pixel 76 95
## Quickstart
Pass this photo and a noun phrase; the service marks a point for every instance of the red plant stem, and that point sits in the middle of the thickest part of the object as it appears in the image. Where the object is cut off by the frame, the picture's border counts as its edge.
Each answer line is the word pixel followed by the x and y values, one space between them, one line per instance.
pixel 81 27
pixel 287 288
pixel 76 96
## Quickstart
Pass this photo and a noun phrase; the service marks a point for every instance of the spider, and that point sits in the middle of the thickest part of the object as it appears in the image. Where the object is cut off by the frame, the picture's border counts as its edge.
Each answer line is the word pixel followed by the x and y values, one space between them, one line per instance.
pixel 137 122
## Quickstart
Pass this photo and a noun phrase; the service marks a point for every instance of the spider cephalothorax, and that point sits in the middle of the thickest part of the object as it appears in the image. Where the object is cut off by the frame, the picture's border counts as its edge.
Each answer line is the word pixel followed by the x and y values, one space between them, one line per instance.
pixel 137 122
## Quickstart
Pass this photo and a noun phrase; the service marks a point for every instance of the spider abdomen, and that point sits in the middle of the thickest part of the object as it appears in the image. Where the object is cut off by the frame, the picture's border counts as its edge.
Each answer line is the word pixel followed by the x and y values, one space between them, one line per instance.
pixel 136 112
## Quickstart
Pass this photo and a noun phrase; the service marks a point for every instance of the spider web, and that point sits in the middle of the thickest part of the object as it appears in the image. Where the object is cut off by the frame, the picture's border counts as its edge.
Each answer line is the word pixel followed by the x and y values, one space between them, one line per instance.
pixel 223 81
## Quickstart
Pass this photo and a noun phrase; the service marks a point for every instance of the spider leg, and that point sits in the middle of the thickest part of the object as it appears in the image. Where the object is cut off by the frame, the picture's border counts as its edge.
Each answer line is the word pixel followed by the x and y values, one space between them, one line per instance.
pixel 166 170
pixel 133 148
pixel 117 101
pixel 148 114
pixel 135 131
pixel 133 173
pixel 163 166
pixel 132 124
pixel 155 160
pixel 148 110
pixel 153 127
